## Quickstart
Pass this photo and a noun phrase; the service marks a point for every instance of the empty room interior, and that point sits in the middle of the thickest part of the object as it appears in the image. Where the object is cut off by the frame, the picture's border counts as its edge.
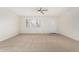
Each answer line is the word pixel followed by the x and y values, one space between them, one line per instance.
pixel 39 29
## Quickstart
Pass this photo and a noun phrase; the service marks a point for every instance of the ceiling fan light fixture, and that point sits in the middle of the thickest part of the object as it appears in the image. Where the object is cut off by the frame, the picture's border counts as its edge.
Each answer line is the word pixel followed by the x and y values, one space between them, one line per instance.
pixel 41 10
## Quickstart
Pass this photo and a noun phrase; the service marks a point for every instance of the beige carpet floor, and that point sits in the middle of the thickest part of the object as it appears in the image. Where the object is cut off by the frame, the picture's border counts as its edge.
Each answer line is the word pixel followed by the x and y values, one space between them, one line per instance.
pixel 39 43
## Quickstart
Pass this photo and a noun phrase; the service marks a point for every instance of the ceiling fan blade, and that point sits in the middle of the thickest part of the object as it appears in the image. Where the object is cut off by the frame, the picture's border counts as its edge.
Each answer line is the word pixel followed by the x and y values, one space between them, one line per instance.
pixel 42 12
pixel 39 9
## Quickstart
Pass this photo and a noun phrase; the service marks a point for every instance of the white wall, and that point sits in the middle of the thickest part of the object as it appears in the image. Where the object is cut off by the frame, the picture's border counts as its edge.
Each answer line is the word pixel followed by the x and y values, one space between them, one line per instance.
pixel 47 25
pixel 69 24
pixel 8 24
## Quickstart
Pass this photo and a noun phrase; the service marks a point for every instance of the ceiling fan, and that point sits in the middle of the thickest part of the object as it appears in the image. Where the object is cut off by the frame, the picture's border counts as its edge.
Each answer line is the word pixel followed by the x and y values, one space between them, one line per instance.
pixel 41 10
